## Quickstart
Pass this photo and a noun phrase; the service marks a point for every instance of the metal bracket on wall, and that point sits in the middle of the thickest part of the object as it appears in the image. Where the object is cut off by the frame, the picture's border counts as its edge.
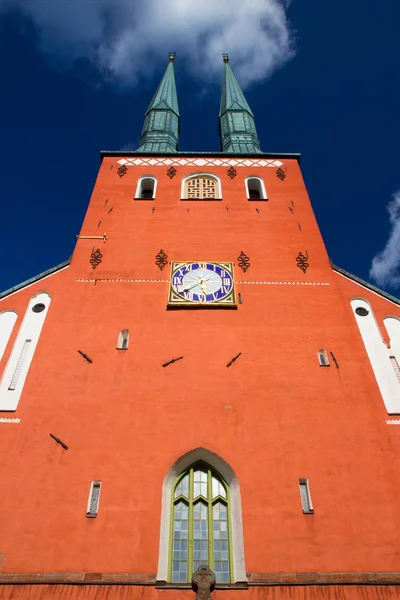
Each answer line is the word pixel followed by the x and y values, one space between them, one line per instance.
pixel 93 237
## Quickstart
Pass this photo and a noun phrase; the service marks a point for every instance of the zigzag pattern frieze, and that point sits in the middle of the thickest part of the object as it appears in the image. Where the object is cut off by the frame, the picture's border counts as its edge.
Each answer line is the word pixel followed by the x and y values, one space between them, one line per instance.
pixel 200 162
pixel 236 282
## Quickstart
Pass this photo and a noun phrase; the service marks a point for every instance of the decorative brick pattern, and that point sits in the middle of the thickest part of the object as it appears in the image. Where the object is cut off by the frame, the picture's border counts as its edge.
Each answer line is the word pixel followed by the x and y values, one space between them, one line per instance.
pixel 201 162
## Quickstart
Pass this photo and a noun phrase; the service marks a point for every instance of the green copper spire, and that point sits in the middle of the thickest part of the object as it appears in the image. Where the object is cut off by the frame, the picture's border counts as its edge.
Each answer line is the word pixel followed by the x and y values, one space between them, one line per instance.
pixel 237 127
pixel 161 121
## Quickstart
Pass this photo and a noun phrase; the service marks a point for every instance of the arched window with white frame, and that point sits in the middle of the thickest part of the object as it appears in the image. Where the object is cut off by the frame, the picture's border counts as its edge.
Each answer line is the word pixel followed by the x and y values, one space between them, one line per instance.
pixel 200 525
pixel 201 520
pixel 202 186
pixel 146 188
pixel 255 188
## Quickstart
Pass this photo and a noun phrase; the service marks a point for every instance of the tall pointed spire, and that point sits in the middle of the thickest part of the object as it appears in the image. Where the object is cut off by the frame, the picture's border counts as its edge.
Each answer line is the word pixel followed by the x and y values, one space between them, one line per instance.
pixel 237 127
pixel 161 121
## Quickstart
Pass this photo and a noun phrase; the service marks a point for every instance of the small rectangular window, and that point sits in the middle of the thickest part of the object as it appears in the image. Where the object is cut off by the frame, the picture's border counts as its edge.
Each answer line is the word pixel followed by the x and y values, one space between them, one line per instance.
pixel 305 496
pixel 94 497
pixel 395 366
pixel 20 365
pixel 323 358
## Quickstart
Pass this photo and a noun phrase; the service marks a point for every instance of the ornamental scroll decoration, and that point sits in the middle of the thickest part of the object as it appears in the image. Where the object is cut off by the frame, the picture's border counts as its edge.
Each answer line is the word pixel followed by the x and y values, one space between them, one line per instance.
pixel 95 258
pixel 161 260
pixel 232 172
pixel 171 172
pixel 122 170
pixel 243 261
pixel 302 261
pixel 203 579
pixel 281 174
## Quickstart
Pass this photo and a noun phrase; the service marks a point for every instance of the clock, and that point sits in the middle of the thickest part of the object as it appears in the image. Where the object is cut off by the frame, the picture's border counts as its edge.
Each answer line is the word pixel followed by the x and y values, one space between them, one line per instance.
pixel 201 284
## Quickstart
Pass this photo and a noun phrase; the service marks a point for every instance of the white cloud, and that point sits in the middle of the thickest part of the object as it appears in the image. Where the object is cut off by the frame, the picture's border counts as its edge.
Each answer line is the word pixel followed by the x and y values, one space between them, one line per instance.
pixel 122 38
pixel 385 268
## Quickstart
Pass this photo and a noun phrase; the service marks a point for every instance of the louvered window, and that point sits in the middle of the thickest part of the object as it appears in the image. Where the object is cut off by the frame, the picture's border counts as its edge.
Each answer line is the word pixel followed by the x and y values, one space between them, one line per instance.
pixel 20 365
pixel 395 366
pixel 201 188
pixel 305 496
pixel 94 498
pixel 160 119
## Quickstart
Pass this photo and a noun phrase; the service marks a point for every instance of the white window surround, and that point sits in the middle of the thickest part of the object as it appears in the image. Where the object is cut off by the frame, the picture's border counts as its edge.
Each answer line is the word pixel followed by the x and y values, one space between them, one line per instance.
pixel 392 325
pixel 226 472
pixel 123 337
pixel 260 187
pixel 138 192
pixel 323 358
pixel 379 354
pixel 31 327
pixel 93 503
pixel 7 322
pixel 305 496
pixel 203 175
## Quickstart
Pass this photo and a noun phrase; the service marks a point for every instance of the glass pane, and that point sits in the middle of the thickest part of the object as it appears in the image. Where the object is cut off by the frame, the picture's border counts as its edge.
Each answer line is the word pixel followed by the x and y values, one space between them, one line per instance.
pixel 180 542
pixel 217 488
pixel 220 527
pixel 200 535
pixel 182 489
pixel 200 483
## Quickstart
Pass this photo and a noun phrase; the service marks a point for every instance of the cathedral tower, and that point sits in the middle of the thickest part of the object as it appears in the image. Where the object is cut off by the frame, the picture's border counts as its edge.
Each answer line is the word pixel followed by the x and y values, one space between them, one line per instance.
pixel 198 401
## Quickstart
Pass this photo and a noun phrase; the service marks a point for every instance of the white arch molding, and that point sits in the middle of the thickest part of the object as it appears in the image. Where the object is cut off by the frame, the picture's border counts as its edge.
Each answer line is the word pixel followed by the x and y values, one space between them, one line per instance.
pixel 227 473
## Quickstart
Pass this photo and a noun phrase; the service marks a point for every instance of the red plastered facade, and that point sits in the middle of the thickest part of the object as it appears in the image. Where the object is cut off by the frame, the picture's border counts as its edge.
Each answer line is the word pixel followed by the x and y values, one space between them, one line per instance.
pixel 274 416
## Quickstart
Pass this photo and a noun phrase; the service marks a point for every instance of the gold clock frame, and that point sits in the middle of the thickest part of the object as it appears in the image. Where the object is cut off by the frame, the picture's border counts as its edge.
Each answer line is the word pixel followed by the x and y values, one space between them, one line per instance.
pixel 174 300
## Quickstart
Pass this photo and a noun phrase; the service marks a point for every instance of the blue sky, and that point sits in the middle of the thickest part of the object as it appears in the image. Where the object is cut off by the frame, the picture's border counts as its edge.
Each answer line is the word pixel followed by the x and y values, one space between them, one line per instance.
pixel 321 77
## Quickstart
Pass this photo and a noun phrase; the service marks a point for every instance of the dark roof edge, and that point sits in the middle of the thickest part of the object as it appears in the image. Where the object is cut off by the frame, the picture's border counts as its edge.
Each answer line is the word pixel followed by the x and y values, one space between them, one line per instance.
pixel 34 279
pixel 295 155
pixel 366 284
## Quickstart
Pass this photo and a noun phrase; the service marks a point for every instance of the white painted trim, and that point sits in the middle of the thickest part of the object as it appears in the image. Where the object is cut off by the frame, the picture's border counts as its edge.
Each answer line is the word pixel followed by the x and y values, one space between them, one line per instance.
pixel 39 281
pixel 139 187
pixel 262 185
pixel 201 174
pixel 31 327
pixel 393 422
pixel 4 420
pixel 365 288
pixel 7 322
pixel 379 356
pixel 226 472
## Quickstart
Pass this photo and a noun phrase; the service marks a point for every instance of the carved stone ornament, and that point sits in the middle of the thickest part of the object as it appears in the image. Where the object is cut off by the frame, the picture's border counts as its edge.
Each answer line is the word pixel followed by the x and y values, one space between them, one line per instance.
pixel 203 579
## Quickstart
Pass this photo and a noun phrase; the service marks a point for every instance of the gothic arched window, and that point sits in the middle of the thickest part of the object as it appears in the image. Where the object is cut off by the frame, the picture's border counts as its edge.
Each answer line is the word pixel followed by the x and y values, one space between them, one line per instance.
pixel 200 531
pixel 201 187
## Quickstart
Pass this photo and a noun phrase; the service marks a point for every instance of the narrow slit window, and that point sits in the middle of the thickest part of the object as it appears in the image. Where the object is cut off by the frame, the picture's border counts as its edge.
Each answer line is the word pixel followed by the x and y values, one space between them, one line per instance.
pixel 255 189
pixel 146 189
pixel 20 365
pixel 123 339
pixel 305 496
pixel 94 498
pixel 323 358
pixel 396 367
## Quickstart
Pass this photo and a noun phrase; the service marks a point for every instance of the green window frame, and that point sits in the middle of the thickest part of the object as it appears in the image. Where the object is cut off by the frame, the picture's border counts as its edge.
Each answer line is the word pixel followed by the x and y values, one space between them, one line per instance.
pixel 200 530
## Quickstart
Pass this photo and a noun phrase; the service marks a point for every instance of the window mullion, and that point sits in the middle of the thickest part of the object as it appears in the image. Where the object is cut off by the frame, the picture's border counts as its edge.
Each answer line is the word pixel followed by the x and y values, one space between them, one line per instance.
pixel 190 527
pixel 210 521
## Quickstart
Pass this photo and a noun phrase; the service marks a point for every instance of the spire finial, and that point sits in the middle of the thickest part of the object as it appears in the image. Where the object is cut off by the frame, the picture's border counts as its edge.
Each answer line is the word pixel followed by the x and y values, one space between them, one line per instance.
pixel 171 56
pixel 225 56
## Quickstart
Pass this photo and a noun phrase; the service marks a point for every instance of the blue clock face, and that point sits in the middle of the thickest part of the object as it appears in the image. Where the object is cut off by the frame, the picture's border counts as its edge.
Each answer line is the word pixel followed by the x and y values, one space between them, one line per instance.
pixel 202 283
